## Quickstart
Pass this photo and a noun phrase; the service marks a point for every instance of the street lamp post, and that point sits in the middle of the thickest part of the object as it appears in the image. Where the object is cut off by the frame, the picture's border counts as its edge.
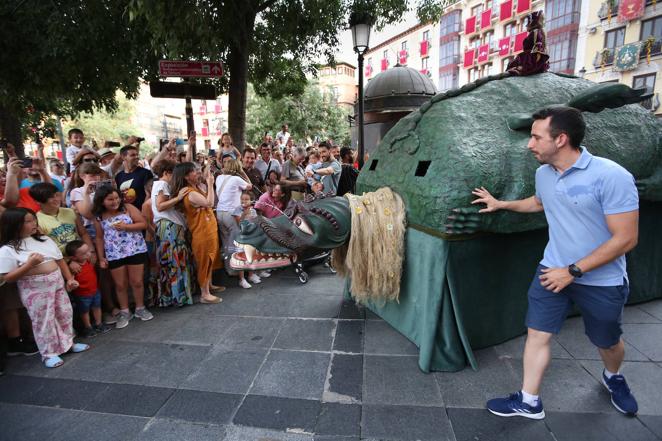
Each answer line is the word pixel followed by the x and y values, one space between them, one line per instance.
pixel 360 24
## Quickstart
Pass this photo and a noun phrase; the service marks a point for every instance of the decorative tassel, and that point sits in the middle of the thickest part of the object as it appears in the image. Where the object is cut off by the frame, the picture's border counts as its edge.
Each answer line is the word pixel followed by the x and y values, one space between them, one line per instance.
pixel 650 41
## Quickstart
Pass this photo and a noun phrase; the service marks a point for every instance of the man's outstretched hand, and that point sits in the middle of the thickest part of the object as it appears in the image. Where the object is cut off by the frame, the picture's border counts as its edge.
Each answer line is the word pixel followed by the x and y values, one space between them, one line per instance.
pixel 484 197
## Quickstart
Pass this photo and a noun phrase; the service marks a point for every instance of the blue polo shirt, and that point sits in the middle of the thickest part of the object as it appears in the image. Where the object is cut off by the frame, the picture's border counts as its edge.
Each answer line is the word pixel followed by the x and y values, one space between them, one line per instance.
pixel 576 203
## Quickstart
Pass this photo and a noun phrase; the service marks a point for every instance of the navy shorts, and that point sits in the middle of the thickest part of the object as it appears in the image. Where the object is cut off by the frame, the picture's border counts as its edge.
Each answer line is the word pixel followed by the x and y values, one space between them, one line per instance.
pixel 84 303
pixel 601 308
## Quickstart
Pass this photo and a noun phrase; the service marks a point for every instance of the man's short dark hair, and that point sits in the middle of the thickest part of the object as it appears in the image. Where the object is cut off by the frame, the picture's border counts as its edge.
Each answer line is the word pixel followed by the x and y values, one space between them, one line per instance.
pixel 73 246
pixel 125 150
pixel 248 150
pixel 42 191
pixel 265 145
pixel 74 132
pixel 323 145
pixel 566 120
pixel 346 151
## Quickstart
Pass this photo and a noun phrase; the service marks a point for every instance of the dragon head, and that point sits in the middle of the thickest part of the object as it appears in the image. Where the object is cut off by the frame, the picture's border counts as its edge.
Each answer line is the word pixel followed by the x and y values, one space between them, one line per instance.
pixel 318 223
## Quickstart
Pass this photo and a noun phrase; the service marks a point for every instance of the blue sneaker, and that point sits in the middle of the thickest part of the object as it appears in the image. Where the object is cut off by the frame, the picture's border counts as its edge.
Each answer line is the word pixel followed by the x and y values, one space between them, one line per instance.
pixel 621 397
pixel 514 406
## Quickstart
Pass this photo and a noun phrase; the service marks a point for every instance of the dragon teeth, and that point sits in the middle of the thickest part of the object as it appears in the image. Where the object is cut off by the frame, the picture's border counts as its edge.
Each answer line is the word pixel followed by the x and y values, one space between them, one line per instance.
pixel 249 250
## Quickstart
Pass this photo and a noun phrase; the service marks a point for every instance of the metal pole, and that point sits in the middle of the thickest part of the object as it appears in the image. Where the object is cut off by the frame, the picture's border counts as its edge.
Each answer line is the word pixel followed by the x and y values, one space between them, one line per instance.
pixel 63 145
pixel 190 127
pixel 361 135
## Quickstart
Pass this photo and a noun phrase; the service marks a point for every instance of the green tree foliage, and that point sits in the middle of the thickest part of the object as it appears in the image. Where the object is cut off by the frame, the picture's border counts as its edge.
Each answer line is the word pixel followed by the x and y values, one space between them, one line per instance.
pixel 106 125
pixel 310 115
pixel 67 56
pixel 271 43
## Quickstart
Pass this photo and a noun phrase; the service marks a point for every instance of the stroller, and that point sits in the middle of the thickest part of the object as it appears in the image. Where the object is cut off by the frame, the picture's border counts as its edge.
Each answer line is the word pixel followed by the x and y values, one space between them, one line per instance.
pixel 320 258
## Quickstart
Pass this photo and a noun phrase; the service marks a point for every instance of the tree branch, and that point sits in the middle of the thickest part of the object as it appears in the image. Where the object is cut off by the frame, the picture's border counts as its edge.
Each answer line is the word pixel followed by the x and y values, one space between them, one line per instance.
pixel 265 5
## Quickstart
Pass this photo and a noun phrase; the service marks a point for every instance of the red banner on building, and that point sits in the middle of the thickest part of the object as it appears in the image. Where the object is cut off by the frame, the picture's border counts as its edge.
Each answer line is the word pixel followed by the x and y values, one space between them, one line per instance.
pixel 469 57
pixel 506 11
pixel 402 57
pixel 519 41
pixel 483 53
pixel 523 6
pixel 205 131
pixel 425 46
pixel 384 64
pixel 630 9
pixel 486 19
pixel 504 46
pixel 470 25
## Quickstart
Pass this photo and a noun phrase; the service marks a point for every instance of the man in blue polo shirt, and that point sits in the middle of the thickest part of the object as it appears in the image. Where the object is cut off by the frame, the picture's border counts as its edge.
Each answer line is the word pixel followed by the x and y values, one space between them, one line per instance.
pixel 592 209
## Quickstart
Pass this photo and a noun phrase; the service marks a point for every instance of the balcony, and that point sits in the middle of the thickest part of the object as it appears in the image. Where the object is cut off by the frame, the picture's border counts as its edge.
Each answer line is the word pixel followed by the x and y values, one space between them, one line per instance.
pixel 656 48
pixel 603 57
pixel 603 12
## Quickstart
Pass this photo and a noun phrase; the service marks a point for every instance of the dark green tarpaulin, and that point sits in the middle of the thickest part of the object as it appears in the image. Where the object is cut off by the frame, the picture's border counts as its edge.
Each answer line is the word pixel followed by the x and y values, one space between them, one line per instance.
pixel 458 296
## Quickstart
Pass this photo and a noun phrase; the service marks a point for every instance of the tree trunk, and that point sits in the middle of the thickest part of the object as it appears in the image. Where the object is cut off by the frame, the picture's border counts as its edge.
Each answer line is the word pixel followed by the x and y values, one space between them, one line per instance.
pixel 238 90
pixel 10 129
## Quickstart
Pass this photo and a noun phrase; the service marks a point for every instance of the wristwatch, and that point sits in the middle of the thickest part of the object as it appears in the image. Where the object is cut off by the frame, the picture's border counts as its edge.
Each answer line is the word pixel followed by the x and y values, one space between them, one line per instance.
pixel 575 271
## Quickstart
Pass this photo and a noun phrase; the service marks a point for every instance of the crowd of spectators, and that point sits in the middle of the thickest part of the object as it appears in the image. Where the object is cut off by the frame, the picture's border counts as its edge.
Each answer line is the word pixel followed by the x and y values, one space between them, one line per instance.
pixel 87 246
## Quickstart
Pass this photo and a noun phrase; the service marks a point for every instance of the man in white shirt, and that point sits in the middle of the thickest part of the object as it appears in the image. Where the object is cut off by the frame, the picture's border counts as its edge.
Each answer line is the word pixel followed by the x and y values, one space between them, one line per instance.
pixel 283 135
pixel 266 163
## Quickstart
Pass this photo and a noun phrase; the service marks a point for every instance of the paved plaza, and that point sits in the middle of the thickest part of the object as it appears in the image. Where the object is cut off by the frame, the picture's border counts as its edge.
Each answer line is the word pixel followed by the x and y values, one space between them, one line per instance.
pixel 286 361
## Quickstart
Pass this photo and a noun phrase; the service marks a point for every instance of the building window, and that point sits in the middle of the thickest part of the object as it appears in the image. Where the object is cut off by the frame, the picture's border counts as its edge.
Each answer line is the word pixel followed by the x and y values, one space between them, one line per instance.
pixel 474 42
pixel 488 38
pixel 647 82
pixel 486 70
pixel 614 38
pixel 652 28
pixel 449 53
pixel 559 13
pixel 505 62
pixel 510 29
pixel 473 74
pixel 426 35
pixel 385 57
pixel 403 46
pixel 424 63
pixel 448 80
pixel 561 49
pixel 450 23
pixel 476 10
pixel 488 4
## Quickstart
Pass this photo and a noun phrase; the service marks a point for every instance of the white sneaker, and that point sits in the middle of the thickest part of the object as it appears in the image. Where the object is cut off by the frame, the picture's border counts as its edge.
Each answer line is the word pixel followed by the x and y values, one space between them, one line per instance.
pixel 143 314
pixel 244 284
pixel 264 274
pixel 254 279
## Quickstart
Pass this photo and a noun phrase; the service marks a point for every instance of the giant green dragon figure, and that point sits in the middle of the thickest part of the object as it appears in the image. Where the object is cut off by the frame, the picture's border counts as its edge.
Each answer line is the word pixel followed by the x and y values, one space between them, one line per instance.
pixel 465 275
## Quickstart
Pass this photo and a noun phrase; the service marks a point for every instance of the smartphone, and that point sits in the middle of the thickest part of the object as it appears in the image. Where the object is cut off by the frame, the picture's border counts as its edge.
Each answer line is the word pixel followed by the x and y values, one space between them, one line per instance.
pixel 181 141
pixel 212 152
pixel 112 144
pixel 100 184
pixel 26 163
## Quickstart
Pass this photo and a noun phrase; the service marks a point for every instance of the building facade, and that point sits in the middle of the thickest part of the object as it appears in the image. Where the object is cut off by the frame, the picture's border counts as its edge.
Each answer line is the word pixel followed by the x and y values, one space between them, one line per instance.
pixel 416 47
pixel 339 82
pixel 622 42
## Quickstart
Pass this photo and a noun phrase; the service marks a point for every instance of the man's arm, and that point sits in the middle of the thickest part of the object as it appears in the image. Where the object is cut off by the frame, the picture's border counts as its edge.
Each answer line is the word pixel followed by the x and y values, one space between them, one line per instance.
pixel 529 205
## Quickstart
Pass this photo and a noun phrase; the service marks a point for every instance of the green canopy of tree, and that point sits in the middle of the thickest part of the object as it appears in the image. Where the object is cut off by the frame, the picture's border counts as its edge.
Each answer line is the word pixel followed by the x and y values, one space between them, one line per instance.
pixel 271 43
pixel 61 57
pixel 309 116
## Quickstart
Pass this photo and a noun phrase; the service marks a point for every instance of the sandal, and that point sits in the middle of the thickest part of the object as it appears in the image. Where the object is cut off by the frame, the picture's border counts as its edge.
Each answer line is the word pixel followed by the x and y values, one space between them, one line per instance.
pixel 79 347
pixel 53 362
pixel 212 301
pixel 216 288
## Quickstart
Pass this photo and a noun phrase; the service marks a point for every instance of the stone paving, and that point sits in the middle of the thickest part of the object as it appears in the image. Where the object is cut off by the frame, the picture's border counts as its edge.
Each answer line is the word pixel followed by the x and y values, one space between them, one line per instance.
pixel 285 361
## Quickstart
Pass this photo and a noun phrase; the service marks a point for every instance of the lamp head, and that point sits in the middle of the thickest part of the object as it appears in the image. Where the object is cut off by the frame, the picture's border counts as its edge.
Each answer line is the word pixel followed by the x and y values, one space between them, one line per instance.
pixel 360 23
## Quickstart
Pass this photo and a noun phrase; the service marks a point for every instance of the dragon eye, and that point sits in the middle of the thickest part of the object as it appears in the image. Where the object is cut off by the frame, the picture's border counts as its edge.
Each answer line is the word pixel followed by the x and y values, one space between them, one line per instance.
pixel 302 225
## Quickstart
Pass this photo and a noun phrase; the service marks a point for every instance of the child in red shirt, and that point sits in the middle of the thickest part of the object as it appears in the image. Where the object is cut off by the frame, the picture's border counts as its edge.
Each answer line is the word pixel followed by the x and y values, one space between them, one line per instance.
pixel 87 295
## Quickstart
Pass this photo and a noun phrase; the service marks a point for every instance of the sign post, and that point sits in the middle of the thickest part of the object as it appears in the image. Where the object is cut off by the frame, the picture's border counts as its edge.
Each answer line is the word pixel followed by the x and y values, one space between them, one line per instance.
pixel 185 89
